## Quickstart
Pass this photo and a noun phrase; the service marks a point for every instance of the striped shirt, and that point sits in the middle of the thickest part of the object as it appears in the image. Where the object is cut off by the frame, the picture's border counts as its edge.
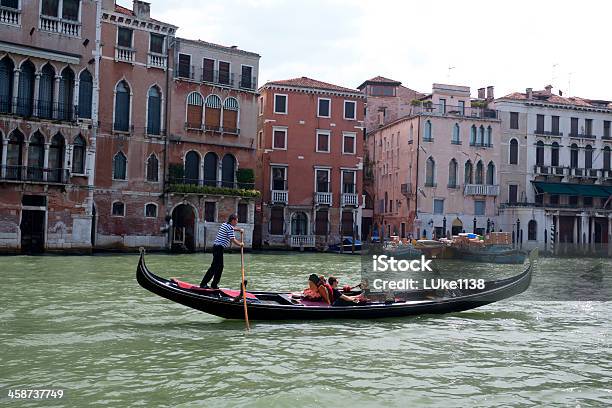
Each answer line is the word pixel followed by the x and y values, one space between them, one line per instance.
pixel 225 235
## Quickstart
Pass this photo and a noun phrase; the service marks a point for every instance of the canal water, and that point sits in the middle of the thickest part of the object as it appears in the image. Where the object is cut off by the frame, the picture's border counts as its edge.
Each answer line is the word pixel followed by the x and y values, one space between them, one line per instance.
pixel 84 325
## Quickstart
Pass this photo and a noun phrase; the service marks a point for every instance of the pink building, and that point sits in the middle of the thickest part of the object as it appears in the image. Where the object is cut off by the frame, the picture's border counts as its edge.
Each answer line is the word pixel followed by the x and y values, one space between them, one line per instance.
pixel 435 170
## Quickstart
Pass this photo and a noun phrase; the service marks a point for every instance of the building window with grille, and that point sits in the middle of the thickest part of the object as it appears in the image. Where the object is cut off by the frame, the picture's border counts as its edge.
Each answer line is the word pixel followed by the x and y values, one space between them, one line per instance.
pixel 151 210
pixel 210 209
pixel 195 104
pixel 118 209
pixel 152 168
pixel 212 114
pixel 230 115
pixel 243 213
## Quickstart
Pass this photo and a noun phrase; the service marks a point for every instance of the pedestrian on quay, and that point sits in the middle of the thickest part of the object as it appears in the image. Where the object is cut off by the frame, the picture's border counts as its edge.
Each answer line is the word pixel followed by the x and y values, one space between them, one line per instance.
pixel 225 238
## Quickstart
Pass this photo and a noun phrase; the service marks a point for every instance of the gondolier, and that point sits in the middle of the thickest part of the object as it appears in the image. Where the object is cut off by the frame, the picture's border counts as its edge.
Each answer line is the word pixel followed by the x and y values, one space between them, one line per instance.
pixel 225 238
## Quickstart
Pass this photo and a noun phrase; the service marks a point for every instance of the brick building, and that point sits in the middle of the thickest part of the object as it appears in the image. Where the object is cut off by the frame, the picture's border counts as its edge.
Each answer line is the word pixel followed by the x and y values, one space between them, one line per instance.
pixel 310 159
pixel 213 124
pixel 48 106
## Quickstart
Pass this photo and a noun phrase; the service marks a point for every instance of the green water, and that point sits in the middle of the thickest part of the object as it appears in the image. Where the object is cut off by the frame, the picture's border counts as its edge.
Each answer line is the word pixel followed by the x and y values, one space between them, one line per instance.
pixel 83 325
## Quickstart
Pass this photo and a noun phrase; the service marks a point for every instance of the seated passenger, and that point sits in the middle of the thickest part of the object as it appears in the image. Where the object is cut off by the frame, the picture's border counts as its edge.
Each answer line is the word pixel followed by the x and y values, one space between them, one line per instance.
pixel 340 299
pixel 312 293
pixel 325 290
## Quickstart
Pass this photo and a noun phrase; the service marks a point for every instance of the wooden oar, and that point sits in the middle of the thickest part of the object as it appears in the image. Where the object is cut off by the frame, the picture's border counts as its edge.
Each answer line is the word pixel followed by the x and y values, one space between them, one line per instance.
pixel 244 297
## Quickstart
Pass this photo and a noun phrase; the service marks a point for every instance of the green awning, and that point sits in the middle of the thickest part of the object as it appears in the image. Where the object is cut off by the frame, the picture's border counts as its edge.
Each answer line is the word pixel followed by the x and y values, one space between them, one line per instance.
pixel 585 190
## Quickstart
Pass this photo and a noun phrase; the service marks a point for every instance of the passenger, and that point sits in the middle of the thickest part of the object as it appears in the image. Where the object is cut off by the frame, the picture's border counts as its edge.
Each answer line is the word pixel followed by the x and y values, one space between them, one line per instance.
pixel 325 290
pixel 312 293
pixel 340 299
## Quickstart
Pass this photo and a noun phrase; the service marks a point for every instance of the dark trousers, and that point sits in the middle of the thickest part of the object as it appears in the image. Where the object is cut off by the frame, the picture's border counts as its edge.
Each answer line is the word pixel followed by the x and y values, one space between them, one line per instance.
pixel 216 267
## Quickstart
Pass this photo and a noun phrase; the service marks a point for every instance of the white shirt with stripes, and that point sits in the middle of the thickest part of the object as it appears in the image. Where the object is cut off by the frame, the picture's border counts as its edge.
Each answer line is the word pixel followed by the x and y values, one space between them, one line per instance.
pixel 225 235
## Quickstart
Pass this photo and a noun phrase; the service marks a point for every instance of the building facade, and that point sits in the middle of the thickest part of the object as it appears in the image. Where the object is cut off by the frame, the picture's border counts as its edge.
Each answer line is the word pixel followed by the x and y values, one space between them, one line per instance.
pixel 555 169
pixel 435 170
pixel 48 116
pixel 310 160
pixel 212 143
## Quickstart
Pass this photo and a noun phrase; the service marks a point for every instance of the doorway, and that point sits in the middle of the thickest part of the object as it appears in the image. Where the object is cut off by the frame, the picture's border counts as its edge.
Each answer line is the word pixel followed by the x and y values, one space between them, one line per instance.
pixel 457 227
pixel 183 229
pixel 32 231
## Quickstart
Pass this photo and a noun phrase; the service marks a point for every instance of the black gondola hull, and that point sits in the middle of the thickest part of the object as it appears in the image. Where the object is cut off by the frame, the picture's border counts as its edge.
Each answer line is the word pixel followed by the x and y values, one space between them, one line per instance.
pixel 229 309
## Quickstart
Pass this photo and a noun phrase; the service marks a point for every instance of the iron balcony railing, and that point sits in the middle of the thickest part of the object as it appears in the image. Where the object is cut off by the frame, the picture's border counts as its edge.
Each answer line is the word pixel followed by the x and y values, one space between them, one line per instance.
pixel 481 144
pixel 34 174
pixel 218 77
pixel 459 111
pixel 210 183
pixel 582 135
pixel 215 76
pixel 547 132
pixel 40 109
pixel 248 82
pixel 481 189
pixel 123 127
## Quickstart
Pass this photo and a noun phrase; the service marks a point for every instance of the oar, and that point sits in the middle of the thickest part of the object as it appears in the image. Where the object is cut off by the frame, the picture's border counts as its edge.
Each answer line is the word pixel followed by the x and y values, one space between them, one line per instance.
pixel 246 313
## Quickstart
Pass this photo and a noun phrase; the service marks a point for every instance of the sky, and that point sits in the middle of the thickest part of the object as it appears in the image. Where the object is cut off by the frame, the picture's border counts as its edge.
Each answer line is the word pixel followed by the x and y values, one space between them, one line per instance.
pixel 510 45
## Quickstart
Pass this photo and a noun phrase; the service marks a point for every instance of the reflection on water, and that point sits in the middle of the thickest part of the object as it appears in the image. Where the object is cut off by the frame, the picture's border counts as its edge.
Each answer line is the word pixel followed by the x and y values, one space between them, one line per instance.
pixel 84 325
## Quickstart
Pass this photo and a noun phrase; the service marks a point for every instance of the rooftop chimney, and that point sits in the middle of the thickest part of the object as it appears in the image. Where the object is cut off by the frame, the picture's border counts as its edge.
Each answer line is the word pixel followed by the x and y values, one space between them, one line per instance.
pixel 141 9
pixel 529 92
pixel 481 93
pixel 548 89
pixel 490 96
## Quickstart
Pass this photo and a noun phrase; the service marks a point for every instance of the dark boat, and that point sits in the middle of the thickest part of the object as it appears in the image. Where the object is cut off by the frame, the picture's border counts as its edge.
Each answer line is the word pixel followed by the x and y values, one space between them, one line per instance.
pixel 282 306
pixel 493 254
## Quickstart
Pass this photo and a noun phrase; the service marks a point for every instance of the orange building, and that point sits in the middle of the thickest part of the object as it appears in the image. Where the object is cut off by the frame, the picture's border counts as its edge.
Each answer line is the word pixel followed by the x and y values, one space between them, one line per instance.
pixel 309 163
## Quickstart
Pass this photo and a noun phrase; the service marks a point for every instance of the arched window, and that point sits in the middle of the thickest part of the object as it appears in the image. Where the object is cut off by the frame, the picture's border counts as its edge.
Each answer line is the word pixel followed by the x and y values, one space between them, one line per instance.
pixel 452 173
pixel 588 157
pixel 195 104
pixel 192 168
pixel 574 156
pixel 25 92
pixel 489 141
pixel 45 92
pixel 85 94
pixel 118 209
pixel 56 158
pixel 210 169
pixel 554 154
pixel 468 178
pixel 212 115
pixel 152 168
pixel 430 172
pixel 151 210
pixel 456 138
pixel 491 173
pixel 532 230
pixel 479 172
pixel 299 224
pixel 122 107
pixel 540 153
pixel 66 95
pixel 78 155
pixel 36 157
pixel 228 170
pixel 606 158
pixel 154 111
pixel 230 115
pixel 120 166
pixel 480 140
pixel 14 155
pixel 513 152
pixel 427 131
pixel 7 69
pixel 473 135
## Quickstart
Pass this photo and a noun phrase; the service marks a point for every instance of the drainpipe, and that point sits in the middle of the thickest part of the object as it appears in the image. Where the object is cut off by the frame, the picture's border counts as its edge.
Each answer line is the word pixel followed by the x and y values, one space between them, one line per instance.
pixel 416 182
pixel 171 44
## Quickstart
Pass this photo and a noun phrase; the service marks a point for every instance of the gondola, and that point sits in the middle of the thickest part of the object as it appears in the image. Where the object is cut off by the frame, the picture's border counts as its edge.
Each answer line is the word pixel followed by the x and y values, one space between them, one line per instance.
pixel 283 306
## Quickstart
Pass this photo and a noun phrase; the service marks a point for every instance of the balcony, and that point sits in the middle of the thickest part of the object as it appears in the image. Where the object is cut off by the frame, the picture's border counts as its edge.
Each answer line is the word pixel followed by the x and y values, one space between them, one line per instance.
pixel 350 199
pixel 322 198
pixel 583 173
pixel 60 26
pixel 10 16
pixel 34 175
pixel 157 61
pixel 125 54
pixel 218 77
pixel 454 111
pixel 542 170
pixel 210 183
pixel 39 109
pixel 557 170
pixel 606 174
pixel 280 197
pixel 480 144
pixel 547 132
pixel 248 82
pixel 481 189
pixel 302 241
pixel 582 135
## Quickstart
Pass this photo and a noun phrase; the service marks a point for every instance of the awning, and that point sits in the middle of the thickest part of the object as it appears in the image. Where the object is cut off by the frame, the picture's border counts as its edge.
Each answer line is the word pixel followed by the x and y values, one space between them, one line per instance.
pixel 585 190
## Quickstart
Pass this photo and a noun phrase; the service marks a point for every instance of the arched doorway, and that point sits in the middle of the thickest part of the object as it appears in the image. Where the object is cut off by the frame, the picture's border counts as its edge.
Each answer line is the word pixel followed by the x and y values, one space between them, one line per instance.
pixel 183 229
pixel 457 226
